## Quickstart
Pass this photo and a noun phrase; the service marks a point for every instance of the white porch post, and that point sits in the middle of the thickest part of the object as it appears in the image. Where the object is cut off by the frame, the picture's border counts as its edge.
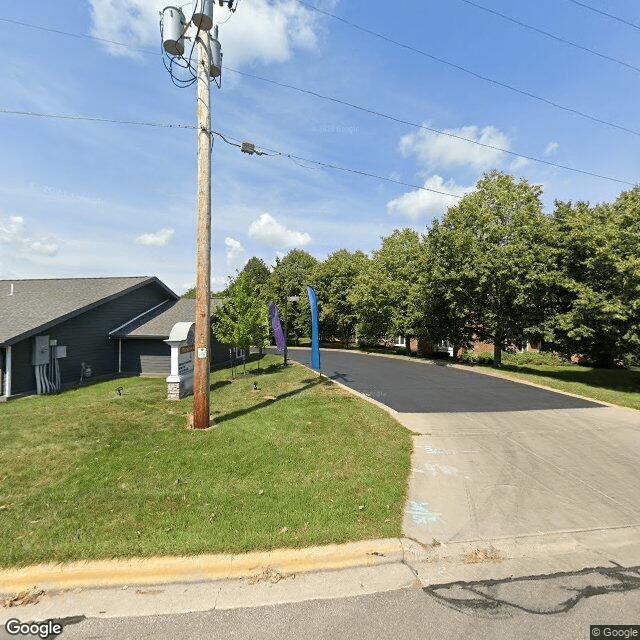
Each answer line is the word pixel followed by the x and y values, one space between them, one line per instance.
pixel 7 373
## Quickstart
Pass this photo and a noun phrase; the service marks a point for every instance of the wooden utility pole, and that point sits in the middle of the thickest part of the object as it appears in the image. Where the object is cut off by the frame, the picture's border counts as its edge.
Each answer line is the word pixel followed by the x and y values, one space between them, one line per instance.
pixel 201 413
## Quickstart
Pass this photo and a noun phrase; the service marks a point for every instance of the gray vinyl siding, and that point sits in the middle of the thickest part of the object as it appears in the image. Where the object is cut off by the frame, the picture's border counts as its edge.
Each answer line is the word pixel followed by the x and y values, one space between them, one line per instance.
pixel 153 357
pixel 87 339
pixel 146 357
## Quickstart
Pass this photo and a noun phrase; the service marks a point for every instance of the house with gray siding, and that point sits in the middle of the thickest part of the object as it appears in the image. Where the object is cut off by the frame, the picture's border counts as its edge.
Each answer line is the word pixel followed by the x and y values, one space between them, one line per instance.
pixel 108 326
pixel 141 342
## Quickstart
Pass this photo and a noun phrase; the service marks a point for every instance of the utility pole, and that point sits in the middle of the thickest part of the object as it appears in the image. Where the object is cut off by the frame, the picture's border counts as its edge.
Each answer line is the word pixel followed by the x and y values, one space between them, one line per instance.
pixel 201 394
pixel 173 28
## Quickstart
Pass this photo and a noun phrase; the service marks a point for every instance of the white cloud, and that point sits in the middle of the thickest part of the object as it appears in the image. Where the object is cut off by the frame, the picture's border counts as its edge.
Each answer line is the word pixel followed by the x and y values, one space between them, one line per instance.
pixel 518 164
pixel 14 233
pixel 234 250
pixel 552 147
pixel 159 239
pixel 12 230
pixel 268 230
pixel 419 204
pixel 444 151
pixel 263 30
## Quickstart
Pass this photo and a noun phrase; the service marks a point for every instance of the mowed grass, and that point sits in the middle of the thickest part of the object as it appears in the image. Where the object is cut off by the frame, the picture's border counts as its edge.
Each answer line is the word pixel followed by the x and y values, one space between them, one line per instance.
pixel 617 386
pixel 91 474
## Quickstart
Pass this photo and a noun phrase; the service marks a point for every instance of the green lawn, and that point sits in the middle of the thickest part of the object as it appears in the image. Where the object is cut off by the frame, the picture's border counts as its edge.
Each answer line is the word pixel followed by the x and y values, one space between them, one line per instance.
pixel 91 474
pixel 617 386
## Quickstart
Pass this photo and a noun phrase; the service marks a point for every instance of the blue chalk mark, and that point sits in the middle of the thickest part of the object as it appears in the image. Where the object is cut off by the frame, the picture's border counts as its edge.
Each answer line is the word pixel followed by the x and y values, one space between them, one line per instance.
pixel 419 512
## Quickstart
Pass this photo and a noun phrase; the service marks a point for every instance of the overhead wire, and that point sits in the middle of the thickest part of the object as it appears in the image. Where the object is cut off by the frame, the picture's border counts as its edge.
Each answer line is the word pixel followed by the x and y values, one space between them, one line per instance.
pixel 331 99
pixel 63 116
pixel 427 128
pixel 551 35
pixel 263 151
pixel 604 13
pixel 479 76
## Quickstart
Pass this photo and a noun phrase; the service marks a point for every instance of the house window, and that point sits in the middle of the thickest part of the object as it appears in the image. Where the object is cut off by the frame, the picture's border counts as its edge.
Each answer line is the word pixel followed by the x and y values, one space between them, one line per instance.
pixel 401 341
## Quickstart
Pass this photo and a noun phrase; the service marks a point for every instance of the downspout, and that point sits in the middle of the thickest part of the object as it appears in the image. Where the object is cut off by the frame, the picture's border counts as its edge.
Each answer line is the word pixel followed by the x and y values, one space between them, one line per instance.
pixel 1 373
pixel 7 375
pixel 119 355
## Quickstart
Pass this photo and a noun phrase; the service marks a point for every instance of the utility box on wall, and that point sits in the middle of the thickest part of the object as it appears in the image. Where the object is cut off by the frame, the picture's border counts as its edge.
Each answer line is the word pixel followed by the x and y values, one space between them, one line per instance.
pixel 182 343
pixel 40 350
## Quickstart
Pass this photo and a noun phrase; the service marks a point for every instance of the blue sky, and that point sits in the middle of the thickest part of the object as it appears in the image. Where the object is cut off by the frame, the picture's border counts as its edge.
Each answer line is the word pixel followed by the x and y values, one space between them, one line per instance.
pixel 88 199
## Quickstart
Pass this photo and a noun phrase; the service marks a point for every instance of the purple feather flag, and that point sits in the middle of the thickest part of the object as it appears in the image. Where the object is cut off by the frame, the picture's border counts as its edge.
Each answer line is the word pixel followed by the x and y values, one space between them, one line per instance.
pixel 277 327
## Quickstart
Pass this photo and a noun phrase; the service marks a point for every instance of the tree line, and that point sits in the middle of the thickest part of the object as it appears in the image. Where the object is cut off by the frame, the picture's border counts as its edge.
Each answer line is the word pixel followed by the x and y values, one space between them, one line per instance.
pixel 495 269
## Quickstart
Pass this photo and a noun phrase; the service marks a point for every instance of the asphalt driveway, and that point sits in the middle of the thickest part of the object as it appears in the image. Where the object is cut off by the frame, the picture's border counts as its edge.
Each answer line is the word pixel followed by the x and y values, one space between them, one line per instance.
pixel 422 387
pixel 508 466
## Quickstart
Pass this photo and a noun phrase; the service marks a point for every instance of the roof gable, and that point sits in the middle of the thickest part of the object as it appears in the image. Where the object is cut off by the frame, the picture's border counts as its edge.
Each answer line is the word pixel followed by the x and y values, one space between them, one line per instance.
pixel 28 307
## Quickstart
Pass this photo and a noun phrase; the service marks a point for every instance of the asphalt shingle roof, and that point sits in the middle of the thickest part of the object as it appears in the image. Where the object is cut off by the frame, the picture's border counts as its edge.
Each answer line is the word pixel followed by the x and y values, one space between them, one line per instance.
pixel 159 323
pixel 38 304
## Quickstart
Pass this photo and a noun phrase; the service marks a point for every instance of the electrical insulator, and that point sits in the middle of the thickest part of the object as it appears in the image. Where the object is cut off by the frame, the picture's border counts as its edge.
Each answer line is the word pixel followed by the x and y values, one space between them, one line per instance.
pixel 173 27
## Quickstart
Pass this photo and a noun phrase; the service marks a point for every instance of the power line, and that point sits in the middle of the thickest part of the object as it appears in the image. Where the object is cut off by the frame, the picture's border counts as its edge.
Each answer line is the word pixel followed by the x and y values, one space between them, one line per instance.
pixel 383 37
pixel 430 129
pixel 550 35
pixel 453 65
pixel 226 138
pixel 77 35
pixel 62 116
pixel 317 95
pixel 604 13
pixel 329 165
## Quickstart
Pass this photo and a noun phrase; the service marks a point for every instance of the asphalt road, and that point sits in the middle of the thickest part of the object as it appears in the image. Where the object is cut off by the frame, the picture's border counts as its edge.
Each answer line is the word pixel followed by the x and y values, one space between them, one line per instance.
pixel 418 387
pixel 558 607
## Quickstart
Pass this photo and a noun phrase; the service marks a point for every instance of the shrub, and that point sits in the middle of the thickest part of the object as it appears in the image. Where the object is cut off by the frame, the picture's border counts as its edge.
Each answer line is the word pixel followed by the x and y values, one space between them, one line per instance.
pixel 486 357
pixel 535 358
pixel 469 357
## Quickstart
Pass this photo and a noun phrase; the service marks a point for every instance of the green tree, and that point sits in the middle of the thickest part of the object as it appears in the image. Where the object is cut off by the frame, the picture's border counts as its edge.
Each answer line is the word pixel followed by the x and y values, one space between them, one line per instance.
pixel 257 274
pixel 289 278
pixel 334 280
pixel 383 292
pixel 496 265
pixel 444 291
pixel 243 321
pixel 371 297
pixel 598 303
pixel 400 258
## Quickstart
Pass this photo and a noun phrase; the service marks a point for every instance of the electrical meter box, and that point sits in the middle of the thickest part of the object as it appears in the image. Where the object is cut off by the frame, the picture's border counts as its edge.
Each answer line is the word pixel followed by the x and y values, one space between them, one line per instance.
pixel 40 350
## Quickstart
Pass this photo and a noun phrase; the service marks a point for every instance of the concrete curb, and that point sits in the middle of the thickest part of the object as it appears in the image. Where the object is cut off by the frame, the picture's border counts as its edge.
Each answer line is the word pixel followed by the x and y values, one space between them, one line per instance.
pixel 430 564
pixel 141 571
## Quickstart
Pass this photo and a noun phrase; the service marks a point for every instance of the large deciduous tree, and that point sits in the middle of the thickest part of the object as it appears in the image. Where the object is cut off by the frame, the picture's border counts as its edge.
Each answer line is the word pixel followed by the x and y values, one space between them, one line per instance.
pixel 289 278
pixel 491 264
pixel 598 311
pixel 334 280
